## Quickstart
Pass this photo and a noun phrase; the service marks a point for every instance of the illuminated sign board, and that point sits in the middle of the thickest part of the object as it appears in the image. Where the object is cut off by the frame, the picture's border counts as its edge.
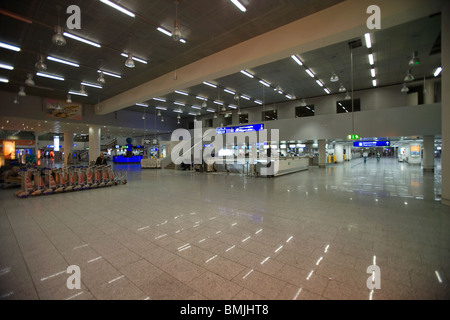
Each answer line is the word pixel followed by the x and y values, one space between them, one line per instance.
pixel 247 128
pixel 371 144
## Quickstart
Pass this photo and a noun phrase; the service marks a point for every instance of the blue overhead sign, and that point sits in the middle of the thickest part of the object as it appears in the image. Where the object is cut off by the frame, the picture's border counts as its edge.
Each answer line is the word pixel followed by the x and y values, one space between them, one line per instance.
pixel 371 144
pixel 247 128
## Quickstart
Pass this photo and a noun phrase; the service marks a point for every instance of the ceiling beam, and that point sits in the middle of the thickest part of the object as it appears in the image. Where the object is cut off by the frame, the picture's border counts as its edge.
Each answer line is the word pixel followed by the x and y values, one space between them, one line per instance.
pixel 342 22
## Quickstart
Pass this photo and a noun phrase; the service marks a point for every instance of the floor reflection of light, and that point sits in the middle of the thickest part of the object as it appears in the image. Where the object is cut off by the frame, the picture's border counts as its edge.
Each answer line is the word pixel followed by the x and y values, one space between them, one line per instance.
pixel 246 239
pixel 246 275
pixel 258 231
pixel 310 274
pixel 296 295
pixel 265 260
pixel 213 257
pixel 278 249
pixel 230 248
pixel 318 261
pixel 290 238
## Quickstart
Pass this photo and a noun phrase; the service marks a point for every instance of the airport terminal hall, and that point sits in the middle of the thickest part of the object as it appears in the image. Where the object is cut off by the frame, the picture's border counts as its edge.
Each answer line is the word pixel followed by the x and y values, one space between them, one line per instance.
pixel 236 152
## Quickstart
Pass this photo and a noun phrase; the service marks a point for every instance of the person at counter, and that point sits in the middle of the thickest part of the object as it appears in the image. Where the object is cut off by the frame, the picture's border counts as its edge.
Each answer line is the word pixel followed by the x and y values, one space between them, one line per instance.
pixel 101 160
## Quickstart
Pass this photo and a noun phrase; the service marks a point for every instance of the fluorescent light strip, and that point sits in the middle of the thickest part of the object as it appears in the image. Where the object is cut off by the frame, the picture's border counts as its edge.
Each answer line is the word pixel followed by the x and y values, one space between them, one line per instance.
pixel 201 98
pixel 374 82
pixel 179 103
pixel 310 73
pixel 159 99
pixel 258 102
pixel 161 108
pixel 78 93
pixel 94 44
pixel 229 91
pixel 264 83
pixel 210 110
pixel 372 72
pixel 177 111
pixel 134 58
pixel 296 59
pixel 4 80
pixel 288 96
pixel 327 91
pixel 319 83
pixel 110 74
pixel 166 32
pixel 192 114
pixel 91 85
pixel 239 5
pixel 73 64
pixel 196 107
pixel 218 102
pixel 142 104
pixel 247 74
pixel 232 106
pixel 245 97
pixel 46 75
pixel 368 41
pixel 371 59
pixel 6 66
pixel 209 84
pixel 182 92
pixel 438 71
pixel 119 8
pixel 9 47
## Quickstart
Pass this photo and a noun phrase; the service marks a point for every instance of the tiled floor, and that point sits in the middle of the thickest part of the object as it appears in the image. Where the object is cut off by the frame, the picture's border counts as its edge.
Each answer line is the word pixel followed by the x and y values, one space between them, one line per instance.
pixel 182 235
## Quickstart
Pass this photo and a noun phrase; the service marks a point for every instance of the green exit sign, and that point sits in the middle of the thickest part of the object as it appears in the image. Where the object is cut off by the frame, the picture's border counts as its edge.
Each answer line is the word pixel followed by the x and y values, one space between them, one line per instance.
pixel 353 137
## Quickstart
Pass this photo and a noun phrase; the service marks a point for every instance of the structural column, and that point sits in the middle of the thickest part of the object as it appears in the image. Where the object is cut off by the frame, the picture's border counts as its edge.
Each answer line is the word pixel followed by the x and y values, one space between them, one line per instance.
pixel 94 142
pixel 339 152
pixel 429 92
pixel 322 154
pixel 68 147
pixel 445 57
pixel 428 154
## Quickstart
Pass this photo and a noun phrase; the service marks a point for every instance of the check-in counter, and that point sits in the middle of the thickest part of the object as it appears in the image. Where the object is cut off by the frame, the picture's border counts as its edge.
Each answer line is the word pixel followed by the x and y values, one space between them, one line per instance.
pixel 281 166
pixel 151 163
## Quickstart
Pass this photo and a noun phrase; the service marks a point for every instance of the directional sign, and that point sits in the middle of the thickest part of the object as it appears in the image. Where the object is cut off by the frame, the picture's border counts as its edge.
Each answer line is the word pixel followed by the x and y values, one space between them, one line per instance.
pixel 353 137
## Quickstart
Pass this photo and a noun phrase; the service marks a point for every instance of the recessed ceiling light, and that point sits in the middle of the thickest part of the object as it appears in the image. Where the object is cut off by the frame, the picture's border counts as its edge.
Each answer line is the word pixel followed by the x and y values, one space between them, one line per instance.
pixel 182 92
pixel 297 59
pixel 371 59
pixel 119 8
pixel 327 91
pixel 438 71
pixel 372 72
pixel 6 66
pixel 310 73
pixel 142 104
pixel 319 83
pixel 258 102
pixel 245 97
pixel 264 83
pixel 368 40
pixel 229 91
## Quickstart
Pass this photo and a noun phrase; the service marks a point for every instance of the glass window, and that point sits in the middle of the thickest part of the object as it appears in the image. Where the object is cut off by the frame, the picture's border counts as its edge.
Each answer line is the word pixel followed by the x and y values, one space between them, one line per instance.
pixel 345 106
pixel 307 111
pixel 269 115
pixel 243 118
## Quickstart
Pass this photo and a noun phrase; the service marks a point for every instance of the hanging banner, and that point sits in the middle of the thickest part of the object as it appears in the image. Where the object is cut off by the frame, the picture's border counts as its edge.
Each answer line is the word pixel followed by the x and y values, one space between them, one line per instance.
pixel 62 110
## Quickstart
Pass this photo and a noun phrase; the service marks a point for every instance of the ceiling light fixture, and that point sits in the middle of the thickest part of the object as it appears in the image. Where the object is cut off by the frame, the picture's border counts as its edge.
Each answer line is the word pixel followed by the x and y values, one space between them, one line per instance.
pixel 29 81
pixel 248 74
pixel 342 88
pixel 176 34
pixel 78 93
pixel 91 85
pixel 161 108
pixel 303 103
pixel 368 40
pixel 9 47
pixel 347 96
pixel 142 104
pixel 372 72
pixel 4 80
pixel 327 91
pixel 159 99
pixel 72 36
pixel 371 59
pixel 264 83
pixel 119 8
pixel 69 99
pixel 110 74
pixel 123 54
pixel 319 83
pixel 182 92
pixel 129 62
pixel 229 91
pixel 101 78
pixel 58 38
pixel 297 59
pixel 159 113
pixel 409 77
pixel 40 65
pixel 310 73
pixel 239 5
pixel 258 102
pixel 16 100
pixel 404 89
pixel 374 82
pixel 334 78
pixel 209 84
pixel 415 61
pixel 245 97
pixel 82 91
pixel 50 76
pixel 438 71
pixel 73 64
pixel 6 66
pixel 22 92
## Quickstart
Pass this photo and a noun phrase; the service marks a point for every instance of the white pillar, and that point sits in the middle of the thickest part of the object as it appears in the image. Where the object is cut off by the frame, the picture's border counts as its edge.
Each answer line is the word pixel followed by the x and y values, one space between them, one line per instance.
pixel 445 76
pixel 68 146
pixel 429 92
pixel 339 152
pixel 94 142
pixel 428 153
pixel 322 154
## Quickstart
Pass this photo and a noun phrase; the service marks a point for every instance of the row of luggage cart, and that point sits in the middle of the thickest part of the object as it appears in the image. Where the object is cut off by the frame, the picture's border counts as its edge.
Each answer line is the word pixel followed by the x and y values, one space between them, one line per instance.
pixel 43 181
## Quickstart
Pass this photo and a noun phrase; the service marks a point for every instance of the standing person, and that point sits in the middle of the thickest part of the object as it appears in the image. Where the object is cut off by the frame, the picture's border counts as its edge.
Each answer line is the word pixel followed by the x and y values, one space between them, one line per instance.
pixel 101 160
pixel 365 155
